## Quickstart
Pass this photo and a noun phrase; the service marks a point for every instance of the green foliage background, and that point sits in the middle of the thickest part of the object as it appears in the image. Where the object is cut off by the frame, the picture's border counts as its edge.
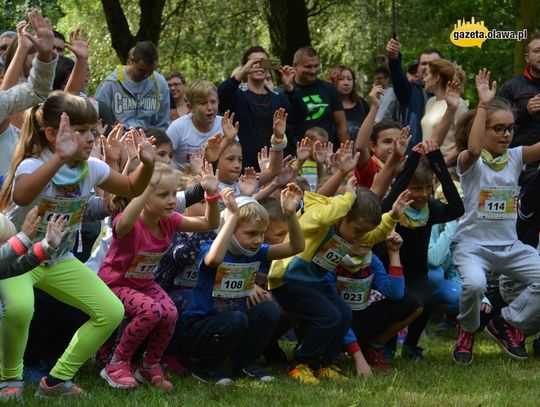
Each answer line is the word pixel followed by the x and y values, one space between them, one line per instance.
pixel 206 38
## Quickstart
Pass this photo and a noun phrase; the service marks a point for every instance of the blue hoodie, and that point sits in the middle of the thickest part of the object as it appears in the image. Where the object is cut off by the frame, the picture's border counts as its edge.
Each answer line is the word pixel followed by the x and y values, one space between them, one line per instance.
pixel 143 104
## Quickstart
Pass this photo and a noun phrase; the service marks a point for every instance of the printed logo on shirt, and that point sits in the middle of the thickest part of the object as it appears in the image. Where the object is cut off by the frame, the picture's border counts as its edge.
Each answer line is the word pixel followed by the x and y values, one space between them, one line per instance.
pixel 123 102
pixel 315 105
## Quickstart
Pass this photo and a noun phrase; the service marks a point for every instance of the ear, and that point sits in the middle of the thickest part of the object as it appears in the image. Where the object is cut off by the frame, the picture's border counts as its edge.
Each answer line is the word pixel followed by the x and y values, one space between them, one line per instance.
pixel 50 135
pixel 189 106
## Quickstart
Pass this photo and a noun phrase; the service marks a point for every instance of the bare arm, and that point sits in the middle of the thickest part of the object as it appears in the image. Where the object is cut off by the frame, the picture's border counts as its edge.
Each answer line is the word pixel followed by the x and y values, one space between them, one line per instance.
pixel 217 251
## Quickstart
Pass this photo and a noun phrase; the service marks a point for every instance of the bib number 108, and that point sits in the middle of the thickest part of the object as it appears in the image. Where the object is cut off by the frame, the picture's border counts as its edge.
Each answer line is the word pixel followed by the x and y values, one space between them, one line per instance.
pixel 230 284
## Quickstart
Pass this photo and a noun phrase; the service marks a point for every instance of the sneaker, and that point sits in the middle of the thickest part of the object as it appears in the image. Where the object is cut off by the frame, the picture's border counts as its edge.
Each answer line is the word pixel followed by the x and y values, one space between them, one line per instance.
pixel 375 358
pixel 415 353
pixel 215 376
pixel 331 372
pixel 153 375
pixel 119 375
pixel 303 373
pixel 172 365
pixel 510 339
pixel 11 390
pixel 464 346
pixel 255 371
pixel 63 389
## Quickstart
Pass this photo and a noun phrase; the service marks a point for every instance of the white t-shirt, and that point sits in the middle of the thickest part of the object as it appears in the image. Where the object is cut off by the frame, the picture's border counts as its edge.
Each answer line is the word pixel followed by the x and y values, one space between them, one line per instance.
pixel 186 139
pixel 490 200
pixel 432 117
pixel 68 201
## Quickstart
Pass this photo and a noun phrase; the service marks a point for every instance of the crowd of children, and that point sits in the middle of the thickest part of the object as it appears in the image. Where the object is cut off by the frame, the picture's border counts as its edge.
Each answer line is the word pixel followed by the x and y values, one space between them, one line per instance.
pixel 182 258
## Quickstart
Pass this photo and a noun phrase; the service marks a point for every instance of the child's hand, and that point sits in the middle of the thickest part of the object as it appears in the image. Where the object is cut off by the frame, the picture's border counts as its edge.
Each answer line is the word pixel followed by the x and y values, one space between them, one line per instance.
pixel 211 148
pixel 31 222
pixel 392 47
pixel 146 150
pixel 67 141
pixel 227 196
pixel 280 123
pixel 393 242
pixel 156 177
pixel 230 129
pixel 130 144
pixel 346 160
pixel 451 94
pixel 263 158
pixel 329 152
pixel 402 142
pixel 419 148
pixel 257 296
pixel 209 181
pixel 286 175
pixel 112 146
pixel 97 149
pixel 23 42
pixel 351 186
pixel 248 182
pixel 375 95
pixel 319 151
pixel 485 93
pixel 56 230
pixel 79 44
pixel 429 146
pixel 290 197
pixel 303 148
pixel 402 201
pixel 196 161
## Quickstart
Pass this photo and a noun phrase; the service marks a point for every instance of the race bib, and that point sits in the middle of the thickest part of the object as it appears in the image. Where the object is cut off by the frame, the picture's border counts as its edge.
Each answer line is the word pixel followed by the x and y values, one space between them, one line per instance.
pixel 497 203
pixel 355 292
pixel 188 277
pixel 143 265
pixel 331 253
pixel 235 280
pixel 70 208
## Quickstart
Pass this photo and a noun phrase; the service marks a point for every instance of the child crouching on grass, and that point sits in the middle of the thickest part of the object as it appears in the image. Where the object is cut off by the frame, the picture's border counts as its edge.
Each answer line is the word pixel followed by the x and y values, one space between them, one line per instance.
pixel 216 325
pixel 333 227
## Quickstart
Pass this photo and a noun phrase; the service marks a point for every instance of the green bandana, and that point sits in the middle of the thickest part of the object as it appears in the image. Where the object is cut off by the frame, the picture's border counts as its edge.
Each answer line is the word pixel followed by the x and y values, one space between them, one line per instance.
pixel 496 164
pixel 413 218
pixel 355 263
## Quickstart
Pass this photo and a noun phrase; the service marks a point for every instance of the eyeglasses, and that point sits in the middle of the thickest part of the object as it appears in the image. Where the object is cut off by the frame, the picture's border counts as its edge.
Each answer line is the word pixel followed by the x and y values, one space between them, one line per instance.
pixel 501 129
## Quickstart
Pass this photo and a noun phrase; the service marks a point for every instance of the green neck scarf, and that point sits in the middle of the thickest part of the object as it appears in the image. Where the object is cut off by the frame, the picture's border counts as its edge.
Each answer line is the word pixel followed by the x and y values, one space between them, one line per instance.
pixel 496 164
pixel 413 218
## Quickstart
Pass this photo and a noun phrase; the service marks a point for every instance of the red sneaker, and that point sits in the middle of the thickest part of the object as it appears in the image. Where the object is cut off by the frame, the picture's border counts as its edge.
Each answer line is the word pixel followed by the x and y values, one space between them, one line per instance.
pixel 154 375
pixel 375 358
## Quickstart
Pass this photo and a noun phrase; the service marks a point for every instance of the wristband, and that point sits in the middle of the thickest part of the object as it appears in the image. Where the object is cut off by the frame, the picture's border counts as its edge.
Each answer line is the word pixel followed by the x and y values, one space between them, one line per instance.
pixel 212 198
pixel 39 251
pixel 17 246
pixel 278 145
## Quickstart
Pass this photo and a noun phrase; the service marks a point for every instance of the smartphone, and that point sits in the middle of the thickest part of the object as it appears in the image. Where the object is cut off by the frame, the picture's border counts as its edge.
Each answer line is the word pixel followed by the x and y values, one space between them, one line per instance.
pixel 274 64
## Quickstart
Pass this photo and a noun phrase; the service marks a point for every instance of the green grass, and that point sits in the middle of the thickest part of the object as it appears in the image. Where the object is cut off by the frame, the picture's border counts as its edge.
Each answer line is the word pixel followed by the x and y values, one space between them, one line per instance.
pixel 492 380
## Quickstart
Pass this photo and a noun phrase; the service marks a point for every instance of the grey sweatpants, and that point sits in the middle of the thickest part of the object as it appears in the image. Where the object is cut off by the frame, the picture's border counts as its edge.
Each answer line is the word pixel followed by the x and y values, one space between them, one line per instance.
pixel 517 261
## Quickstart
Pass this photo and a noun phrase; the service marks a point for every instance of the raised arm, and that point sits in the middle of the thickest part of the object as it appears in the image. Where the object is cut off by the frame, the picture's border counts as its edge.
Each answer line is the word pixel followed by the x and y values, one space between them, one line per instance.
pixel 279 142
pixel 79 47
pixel 478 130
pixel 217 251
pixel 364 133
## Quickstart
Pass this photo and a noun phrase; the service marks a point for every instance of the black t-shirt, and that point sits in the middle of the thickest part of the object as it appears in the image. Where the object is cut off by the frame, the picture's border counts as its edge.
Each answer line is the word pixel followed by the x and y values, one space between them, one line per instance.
pixel 322 100
pixel 263 116
pixel 355 117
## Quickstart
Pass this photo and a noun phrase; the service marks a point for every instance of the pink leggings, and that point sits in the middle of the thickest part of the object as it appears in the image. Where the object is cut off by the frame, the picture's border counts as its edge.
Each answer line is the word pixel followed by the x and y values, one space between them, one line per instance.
pixel 153 315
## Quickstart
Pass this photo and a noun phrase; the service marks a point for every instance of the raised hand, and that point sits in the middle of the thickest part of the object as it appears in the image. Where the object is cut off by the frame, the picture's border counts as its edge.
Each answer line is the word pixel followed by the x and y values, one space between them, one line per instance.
pixel 393 242
pixel 319 151
pixel 290 197
pixel 227 196
pixel 402 201
pixel 346 160
pixel 23 42
pixel 280 123
pixel 402 141
pixel 287 174
pixel 56 230
pixel 146 150
pixel 79 44
pixel 485 92
pixel 303 149
pixel 263 158
pixel 375 95
pixel 209 181
pixel 351 186
pixel 130 145
pixel 392 47
pixel 67 141
pixel 230 129
pixel 250 66
pixel 248 182
pixel 287 76
pixel 196 160
pixel 451 94
pixel 156 178
pixel 112 146
pixel 419 148
pixel 212 147
pixel 429 146
pixel 31 222
pixel 43 40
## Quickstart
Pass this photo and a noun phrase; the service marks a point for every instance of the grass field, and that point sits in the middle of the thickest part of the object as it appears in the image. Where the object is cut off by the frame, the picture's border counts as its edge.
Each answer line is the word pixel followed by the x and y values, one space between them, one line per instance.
pixel 492 380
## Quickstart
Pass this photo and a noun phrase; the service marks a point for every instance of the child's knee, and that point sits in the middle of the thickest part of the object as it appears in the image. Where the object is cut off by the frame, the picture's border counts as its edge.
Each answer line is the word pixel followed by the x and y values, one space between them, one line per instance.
pixel 111 313
pixel 474 284
pixel 269 313
pixel 18 311
pixel 237 322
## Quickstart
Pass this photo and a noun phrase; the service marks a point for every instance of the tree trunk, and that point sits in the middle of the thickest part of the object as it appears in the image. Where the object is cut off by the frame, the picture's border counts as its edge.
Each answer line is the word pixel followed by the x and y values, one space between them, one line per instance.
pixel 149 27
pixel 288 26
pixel 528 12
